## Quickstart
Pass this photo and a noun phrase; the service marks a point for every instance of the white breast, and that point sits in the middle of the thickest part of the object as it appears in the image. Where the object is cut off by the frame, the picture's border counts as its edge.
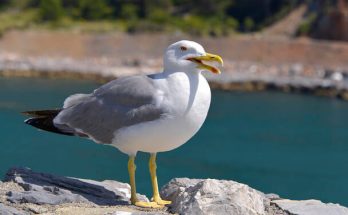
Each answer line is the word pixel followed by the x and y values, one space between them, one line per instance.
pixel 188 98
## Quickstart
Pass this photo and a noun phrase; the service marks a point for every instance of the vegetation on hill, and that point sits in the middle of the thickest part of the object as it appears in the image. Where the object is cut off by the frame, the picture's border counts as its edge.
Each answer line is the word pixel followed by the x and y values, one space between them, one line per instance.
pixel 198 17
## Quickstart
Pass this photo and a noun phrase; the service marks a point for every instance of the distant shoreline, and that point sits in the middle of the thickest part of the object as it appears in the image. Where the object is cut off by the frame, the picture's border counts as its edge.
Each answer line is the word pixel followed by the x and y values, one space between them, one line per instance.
pixel 226 82
pixel 252 62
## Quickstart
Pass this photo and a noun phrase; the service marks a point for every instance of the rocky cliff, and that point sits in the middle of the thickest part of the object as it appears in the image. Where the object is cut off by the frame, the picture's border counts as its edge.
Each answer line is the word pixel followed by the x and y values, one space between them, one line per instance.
pixel 332 21
pixel 24 191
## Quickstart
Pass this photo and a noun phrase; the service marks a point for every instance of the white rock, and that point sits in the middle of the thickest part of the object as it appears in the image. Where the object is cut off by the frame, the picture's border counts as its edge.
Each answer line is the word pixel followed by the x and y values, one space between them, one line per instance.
pixel 310 207
pixel 337 76
pixel 211 196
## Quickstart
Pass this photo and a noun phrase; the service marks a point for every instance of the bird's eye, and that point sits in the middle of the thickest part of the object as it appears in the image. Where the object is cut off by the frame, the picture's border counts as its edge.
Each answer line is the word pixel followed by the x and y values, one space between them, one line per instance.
pixel 183 48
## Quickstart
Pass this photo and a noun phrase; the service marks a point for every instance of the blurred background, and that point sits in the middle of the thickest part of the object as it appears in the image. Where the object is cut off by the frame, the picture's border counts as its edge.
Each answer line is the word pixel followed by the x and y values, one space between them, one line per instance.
pixel 278 115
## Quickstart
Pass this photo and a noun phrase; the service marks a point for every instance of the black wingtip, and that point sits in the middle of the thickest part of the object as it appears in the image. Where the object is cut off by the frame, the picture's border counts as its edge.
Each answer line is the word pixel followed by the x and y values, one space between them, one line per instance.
pixel 46 124
pixel 27 121
pixel 41 113
pixel 30 121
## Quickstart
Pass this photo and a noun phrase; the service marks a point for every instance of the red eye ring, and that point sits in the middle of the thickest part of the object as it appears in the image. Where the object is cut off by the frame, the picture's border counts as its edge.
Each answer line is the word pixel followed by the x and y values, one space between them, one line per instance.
pixel 183 48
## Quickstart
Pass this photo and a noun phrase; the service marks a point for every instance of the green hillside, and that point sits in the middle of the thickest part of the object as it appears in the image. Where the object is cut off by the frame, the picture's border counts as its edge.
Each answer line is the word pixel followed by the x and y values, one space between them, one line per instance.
pixel 196 17
pixel 205 17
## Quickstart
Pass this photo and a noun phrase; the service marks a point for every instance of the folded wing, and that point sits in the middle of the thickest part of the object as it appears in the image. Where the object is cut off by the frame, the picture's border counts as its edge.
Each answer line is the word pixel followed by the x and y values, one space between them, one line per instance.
pixel 117 104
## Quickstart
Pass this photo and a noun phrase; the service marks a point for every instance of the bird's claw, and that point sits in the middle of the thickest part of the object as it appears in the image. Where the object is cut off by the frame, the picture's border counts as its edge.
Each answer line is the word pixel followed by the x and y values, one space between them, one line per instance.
pixel 163 202
pixel 160 201
pixel 155 203
pixel 148 205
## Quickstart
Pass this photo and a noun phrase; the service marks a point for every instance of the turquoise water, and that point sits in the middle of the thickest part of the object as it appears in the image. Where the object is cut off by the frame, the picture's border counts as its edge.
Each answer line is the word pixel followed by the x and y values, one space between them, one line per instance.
pixel 292 145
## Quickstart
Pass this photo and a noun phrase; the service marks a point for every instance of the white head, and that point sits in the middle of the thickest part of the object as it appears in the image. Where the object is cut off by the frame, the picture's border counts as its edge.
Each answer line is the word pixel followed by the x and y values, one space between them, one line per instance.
pixel 189 56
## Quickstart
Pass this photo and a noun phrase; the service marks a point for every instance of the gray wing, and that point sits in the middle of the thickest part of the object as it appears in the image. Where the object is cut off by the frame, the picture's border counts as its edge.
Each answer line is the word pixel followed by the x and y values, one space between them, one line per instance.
pixel 117 104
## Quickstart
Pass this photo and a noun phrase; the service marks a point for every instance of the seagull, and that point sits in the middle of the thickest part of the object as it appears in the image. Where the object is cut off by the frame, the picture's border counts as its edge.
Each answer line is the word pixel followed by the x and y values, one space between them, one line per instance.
pixel 148 113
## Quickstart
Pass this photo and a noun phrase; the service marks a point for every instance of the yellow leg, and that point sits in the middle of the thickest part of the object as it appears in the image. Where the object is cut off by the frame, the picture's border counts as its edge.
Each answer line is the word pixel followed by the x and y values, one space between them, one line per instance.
pixel 134 199
pixel 156 197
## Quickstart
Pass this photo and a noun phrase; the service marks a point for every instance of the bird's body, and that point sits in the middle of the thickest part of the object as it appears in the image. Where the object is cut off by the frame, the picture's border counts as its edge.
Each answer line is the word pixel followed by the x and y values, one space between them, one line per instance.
pixel 154 113
pixel 177 124
pixel 166 128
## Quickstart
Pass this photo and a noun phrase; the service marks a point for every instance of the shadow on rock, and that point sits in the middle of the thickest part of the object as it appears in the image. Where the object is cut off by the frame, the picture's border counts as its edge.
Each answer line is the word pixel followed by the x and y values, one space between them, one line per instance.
pixel 43 188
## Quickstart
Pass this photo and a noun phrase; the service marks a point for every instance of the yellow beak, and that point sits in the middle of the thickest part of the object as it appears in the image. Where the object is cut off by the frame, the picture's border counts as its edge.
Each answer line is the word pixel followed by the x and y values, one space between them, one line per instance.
pixel 208 58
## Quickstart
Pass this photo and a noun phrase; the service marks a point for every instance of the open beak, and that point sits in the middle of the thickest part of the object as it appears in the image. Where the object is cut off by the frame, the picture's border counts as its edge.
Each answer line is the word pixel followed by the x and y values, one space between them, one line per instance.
pixel 208 58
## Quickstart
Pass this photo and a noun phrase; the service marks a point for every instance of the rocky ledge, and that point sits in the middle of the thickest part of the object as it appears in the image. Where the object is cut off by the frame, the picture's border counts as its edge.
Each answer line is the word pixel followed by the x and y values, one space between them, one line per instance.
pixel 24 191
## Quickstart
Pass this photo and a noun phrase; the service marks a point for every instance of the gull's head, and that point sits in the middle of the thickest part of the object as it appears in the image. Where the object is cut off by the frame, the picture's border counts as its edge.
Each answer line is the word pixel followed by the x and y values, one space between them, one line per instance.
pixel 190 56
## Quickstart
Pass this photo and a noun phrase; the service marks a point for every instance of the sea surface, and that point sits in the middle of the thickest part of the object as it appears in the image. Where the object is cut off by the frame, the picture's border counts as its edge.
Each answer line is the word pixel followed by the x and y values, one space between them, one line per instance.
pixel 289 144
